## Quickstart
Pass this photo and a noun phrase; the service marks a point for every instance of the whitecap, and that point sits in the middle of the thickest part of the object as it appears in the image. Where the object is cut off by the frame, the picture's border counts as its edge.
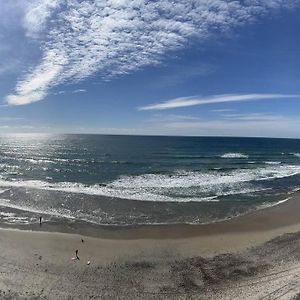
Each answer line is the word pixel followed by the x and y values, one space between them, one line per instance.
pixel 179 186
pixel 234 155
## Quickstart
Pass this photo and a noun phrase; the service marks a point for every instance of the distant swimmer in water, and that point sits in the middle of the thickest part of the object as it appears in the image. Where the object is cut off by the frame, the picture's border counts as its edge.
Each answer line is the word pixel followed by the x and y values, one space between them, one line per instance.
pixel 40 220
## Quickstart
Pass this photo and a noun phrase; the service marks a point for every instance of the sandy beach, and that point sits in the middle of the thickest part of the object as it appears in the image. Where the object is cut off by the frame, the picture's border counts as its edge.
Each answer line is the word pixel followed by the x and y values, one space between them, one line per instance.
pixel 149 150
pixel 150 261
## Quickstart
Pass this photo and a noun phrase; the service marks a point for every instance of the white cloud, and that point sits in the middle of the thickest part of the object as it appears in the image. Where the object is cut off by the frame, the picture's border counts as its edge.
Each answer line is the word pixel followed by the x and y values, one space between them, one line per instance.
pixel 79 91
pixel 222 110
pixel 158 118
pixel 10 119
pixel 192 101
pixel 113 37
pixel 59 93
pixel 36 84
pixel 253 117
pixel 68 92
pixel 260 128
pixel 37 13
pixel 289 127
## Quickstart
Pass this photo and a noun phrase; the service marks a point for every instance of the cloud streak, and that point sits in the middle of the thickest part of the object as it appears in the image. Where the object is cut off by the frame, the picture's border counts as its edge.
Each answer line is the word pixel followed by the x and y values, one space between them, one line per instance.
pixel 253 117
pixel 259 128
pixel 36 84
pixel 192 101
pixel 115 37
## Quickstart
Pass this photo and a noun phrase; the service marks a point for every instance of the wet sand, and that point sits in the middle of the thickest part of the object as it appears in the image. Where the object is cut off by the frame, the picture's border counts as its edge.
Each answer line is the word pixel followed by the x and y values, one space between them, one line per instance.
pixel 37 263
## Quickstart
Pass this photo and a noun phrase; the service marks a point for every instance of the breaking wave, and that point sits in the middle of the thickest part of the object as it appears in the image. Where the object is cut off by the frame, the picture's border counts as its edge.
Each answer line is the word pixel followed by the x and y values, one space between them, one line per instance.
pixel 234 155
pixel 179 186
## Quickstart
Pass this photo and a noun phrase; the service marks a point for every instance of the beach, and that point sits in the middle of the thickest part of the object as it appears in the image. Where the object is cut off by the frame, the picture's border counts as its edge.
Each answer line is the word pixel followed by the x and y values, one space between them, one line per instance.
pixel 151 217
pixel 151 262
pixel 149 150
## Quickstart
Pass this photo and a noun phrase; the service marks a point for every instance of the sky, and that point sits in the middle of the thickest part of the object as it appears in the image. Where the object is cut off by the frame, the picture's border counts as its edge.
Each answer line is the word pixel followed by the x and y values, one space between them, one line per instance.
pixel 197 67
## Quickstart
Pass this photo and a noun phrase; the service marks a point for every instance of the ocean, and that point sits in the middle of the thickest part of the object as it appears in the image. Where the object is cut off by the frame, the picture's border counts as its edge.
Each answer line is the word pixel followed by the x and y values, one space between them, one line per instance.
pixel 132 180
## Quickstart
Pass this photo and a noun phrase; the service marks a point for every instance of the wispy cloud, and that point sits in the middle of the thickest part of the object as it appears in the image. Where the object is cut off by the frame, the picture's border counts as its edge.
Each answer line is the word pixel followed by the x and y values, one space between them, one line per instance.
pixel 79 91
pixel 68 92
pixel 114 37
pixel 223 110
pixel 253 117
pixel 35 85
pixel 194 100
pixel 288 128
pixel 10 119
pixel 268 127
pixel 158 118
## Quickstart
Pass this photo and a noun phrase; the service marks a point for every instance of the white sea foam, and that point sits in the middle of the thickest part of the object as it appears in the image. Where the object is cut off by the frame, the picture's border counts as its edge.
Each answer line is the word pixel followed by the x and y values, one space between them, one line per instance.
pixel 197 179
pixel 108 191
pixel 53 212
pixel 180 186
pixel 7 214
pixel 267 205
pixel 273 162
pixel 296 154
pixel 234 155
pixel 2 191
pixel 12 218
pixel 294 190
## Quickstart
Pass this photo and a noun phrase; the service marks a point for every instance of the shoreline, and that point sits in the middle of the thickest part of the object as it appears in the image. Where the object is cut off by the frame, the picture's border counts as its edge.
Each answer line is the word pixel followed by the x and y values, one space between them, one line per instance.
pixel 284 214
pixel 233 235
pixel 147 261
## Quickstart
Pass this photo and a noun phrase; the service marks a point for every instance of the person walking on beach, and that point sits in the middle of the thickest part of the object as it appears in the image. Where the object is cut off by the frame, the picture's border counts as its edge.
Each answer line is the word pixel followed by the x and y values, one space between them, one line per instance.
pixel 40 221
pixel 76 254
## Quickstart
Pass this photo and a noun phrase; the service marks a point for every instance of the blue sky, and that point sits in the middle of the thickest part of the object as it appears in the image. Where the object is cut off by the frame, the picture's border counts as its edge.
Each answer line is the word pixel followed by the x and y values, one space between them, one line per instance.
pixel 195 67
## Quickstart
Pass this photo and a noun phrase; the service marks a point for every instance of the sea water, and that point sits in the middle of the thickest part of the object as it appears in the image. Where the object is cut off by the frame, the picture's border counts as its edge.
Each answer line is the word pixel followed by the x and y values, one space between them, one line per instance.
pixel 125 180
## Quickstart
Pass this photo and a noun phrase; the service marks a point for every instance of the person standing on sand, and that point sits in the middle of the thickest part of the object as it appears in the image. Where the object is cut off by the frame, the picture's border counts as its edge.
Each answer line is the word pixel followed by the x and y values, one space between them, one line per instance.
pixel 76 254
pixel 40 221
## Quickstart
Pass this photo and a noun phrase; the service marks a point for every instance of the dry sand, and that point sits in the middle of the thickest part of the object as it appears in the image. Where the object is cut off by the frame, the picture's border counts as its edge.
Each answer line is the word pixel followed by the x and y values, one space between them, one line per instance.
pixel 157 262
